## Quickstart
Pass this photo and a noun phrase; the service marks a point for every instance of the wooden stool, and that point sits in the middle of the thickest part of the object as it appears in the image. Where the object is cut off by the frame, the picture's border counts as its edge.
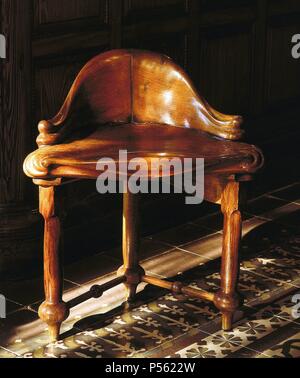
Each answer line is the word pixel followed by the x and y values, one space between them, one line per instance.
pixel 141 102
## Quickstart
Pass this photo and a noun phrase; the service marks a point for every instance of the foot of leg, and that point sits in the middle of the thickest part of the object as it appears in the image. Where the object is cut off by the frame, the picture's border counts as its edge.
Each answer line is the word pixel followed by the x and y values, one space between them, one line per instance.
pixel 53 315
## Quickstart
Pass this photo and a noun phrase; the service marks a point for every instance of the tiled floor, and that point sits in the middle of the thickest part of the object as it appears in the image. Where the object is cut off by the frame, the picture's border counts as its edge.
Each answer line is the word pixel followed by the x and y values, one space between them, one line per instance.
pixel 161 325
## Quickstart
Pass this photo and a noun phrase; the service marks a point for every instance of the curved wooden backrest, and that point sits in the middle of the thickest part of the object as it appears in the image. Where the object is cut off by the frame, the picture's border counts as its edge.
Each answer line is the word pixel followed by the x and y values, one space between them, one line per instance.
pixel 123 86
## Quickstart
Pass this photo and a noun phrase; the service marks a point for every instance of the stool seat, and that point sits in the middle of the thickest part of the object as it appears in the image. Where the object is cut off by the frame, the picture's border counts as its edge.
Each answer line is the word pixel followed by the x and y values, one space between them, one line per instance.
pixel 77 158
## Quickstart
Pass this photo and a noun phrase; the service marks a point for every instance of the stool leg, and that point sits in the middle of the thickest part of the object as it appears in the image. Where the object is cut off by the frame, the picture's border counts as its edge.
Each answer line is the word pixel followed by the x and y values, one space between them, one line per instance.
pixel 130 244
pixel 53 310
pixel 227 299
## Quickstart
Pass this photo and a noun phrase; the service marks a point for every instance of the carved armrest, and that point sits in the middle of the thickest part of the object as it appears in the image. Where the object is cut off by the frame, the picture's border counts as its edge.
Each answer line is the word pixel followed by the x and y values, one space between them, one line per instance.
pixel 56 129
pixel 221 125
pixel 50 133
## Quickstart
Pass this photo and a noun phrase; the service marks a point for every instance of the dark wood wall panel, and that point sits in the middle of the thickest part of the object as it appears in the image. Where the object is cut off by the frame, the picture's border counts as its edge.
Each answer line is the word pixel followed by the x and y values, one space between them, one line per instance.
pixel 217 4
pixel 225 66
pixel 53 79
pixel 52 85
pixel 174 45
pixel 282 8
pixel 61 16
pixel 49 11
pixel 15 102
pixel 282 71
pixel 139 10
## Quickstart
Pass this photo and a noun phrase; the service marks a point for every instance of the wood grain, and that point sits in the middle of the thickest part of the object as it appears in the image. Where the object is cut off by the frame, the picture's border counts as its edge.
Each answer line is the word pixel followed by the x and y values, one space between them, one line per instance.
pixel 128 99
pixel 130 243
pixel 53 310
pixel 56 10
pixel 15 100
pixel 138 10
pixel 227 299
pixel 141 102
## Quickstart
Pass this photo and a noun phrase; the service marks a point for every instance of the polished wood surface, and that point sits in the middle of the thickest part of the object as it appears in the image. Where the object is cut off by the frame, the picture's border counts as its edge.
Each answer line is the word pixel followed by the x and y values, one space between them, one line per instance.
pixel 79 158
pixel 140 102
pixel 130 243
pixel 227 299
pixel 131 86
pixel 178 288
pixel 53 310
pixel 163 93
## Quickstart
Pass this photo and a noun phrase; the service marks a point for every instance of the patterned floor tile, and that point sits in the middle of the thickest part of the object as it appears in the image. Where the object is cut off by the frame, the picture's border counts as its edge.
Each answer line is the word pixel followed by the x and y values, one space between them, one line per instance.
pixel 285 308
pixel 240 342
pixel 276 255
pixel 287 348
pixel 22 332
pixel 157 325
pixel 133 333
pixel 80 345
pixel 160 324
pixel 210 347
pixel 254 289
pixel 275 265
pixel 246 353
pixel 206 349
pixel 149 326
pixel 257 290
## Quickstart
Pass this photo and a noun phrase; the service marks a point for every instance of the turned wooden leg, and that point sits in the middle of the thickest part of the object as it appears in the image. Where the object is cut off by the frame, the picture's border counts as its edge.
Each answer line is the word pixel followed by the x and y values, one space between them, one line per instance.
pixel 227 299
pixel 53 310
pixel 130 244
